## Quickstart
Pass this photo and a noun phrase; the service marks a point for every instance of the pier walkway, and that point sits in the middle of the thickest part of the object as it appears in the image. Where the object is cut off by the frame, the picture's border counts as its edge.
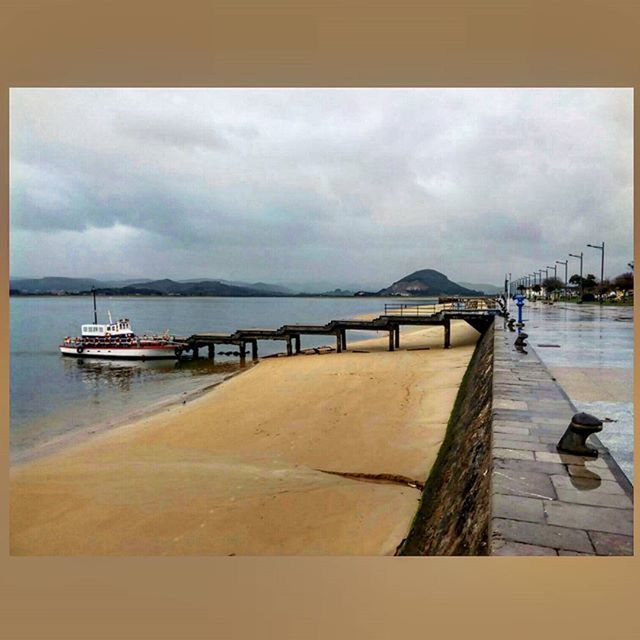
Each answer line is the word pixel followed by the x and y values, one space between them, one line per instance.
pixel 478 312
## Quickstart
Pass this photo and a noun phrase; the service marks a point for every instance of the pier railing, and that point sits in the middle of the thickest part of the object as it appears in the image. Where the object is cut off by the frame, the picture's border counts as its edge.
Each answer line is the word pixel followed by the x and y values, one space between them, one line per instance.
pixel 423 310
pixel 408 309
pixel 478 312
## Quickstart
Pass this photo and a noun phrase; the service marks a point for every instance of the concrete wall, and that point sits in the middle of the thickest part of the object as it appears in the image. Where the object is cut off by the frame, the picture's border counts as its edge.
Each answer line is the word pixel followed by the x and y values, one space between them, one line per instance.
pixel 453 517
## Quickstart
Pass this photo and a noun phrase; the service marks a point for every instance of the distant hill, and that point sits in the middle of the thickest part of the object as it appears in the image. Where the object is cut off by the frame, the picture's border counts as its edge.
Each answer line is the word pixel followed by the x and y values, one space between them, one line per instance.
pixel 260 286
pixel 54 285
pixel 489 289
pixel 426 282
pixel 139 287
pixel 171 287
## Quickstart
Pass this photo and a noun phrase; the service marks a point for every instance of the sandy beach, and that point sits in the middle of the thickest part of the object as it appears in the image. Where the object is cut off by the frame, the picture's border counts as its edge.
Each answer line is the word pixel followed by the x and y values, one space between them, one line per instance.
pixel 253 467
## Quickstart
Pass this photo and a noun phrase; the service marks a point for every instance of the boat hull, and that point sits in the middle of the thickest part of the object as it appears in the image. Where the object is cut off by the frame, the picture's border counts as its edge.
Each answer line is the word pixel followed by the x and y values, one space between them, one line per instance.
pixel 120 353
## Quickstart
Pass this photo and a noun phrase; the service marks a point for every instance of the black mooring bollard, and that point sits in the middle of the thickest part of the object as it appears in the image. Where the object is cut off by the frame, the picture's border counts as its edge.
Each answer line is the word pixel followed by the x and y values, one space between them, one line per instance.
pixel 574 440
pixel 521 341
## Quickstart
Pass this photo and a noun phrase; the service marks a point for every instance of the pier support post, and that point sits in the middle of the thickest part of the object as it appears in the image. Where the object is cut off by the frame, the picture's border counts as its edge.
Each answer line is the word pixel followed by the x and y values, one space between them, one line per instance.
pixel 338 342
pixel 397 337
pixel 391 340
pixel 343 337
pixel 254 350
pixel 289 351
pixel 296 342
pixel 243 354
pixel 447 334
pixel 196 352
pixel 211 352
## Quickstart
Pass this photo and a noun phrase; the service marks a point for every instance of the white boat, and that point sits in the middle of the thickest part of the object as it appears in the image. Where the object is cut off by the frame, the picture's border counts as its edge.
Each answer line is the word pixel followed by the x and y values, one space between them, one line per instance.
pixel 117 340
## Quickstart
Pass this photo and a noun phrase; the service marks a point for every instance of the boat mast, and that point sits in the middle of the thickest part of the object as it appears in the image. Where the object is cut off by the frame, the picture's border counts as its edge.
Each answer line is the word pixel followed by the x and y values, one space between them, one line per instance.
pixel 95 312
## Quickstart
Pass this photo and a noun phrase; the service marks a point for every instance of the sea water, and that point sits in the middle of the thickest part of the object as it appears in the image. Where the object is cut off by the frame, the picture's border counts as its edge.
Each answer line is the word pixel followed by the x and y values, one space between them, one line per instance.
pixel 53 396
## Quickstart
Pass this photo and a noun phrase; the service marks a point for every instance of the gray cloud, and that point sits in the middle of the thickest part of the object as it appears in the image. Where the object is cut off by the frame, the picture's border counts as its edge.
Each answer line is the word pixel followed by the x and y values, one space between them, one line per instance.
pixel 172 132
pixel 336 184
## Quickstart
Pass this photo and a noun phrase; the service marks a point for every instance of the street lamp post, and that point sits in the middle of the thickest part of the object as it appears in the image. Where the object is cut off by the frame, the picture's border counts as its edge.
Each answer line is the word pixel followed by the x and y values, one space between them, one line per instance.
pixel 546 277
pixel 555 271
pixel 601 248
pixel 573 255
pixel 566 269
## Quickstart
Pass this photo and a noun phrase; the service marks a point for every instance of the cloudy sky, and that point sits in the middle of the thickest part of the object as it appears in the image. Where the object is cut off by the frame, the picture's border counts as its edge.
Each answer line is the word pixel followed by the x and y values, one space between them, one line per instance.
pixel 341 186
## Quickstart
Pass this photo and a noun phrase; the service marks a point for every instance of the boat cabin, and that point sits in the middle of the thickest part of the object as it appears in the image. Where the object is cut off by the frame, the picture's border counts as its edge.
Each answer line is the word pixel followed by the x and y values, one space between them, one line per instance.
pixel 119 328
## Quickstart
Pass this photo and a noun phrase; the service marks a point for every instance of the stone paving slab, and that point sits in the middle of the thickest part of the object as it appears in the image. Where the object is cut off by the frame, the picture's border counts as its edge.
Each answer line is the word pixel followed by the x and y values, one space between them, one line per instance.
pixel 523 445
pixel 517 508
pixel 611 544
pixel 544 535
pixel 522 483
pixel 505 548
pixel 564 514
pixel 526 465
pixel 513 453
pixel 545 502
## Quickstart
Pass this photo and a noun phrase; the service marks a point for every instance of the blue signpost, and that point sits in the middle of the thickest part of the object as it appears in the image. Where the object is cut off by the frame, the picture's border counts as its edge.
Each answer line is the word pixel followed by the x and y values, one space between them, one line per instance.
pixel 519 304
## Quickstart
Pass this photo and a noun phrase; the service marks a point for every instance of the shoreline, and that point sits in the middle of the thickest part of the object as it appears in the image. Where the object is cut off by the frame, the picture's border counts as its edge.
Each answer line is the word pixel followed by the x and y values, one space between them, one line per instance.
pixel 68 440
pixel 298 456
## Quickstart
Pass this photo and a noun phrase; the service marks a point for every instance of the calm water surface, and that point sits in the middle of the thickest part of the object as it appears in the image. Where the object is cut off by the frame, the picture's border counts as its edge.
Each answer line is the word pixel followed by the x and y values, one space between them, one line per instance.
pixel 52 395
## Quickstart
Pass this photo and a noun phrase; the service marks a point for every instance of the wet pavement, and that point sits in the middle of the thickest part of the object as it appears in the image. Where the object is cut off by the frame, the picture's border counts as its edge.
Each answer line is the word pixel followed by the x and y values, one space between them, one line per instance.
pixel 547 502
pixel 589 350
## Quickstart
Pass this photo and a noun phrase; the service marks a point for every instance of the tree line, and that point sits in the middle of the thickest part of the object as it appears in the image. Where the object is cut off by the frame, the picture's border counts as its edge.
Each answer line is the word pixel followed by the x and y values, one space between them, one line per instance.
pixel 591 287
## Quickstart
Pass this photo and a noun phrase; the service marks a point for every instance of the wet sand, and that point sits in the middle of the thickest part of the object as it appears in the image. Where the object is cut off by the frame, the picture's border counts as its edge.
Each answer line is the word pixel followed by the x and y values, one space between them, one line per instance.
pixel 244 469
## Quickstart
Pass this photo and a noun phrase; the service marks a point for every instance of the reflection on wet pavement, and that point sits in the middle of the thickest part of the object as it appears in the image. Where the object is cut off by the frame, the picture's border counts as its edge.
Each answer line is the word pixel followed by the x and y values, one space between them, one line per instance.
pixel 593 362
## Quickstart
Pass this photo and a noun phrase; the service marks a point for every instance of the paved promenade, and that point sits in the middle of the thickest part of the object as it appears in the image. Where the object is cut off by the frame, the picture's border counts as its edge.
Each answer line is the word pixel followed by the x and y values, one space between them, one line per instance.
pixel 546 503
pixel 589 350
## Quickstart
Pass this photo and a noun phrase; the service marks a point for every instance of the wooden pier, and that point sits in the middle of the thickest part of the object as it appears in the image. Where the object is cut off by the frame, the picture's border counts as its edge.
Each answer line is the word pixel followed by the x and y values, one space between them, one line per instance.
pixel 478 312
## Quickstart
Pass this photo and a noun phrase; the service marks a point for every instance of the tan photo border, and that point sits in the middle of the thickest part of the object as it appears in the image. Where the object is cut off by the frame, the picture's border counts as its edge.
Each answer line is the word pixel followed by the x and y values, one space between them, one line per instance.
pixel 100 43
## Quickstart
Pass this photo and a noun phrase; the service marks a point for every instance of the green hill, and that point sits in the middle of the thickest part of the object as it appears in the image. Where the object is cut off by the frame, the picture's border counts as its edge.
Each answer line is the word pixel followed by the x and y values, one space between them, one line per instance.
pixel 426 282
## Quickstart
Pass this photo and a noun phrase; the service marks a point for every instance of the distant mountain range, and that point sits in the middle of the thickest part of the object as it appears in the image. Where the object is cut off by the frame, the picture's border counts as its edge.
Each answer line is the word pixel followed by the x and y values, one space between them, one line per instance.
pixel 426 282
pixel 489 289
pixel 163 287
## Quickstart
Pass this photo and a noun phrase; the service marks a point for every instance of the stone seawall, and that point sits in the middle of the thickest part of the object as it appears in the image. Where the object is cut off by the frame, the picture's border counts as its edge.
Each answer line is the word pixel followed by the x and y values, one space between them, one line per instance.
pixel 500 487
pixel 454 513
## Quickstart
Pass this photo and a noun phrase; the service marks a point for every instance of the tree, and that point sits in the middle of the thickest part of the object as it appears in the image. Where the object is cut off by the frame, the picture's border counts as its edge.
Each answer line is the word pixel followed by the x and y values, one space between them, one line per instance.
pixel 603 287
pixel 589 283
pixel 552 284
pixel 537 288
pixel 624 282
